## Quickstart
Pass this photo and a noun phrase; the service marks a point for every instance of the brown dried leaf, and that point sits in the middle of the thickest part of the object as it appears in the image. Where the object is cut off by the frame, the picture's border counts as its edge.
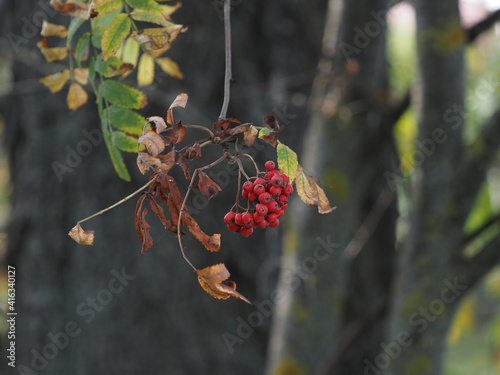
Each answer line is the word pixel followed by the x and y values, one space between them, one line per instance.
pixel 83 237
pixel 271 138
pixel 146 161
pixel 167 224
pixel 250 135
pixel 207 186
pixel 55 82
pixel 271 122
pixel 177 134
pixel 211 243
pixel 158 122
pixel 51 29
pixel 211 279
pixel 153 142
pixel 180 101
pixel 141 226
pixel 311 193
pixel 240 129
pixel 77 97
pixel 193 151
pixel 81 10
pixel 324 205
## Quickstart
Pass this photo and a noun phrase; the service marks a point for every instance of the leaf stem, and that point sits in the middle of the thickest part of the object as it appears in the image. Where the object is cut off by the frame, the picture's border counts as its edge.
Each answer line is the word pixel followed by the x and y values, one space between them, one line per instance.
pixel 228 75
pixel 119 202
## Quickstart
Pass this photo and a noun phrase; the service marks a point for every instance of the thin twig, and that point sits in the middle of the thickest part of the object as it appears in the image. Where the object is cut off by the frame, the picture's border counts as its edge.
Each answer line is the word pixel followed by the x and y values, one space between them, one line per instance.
pixel 119 202
pixel 254 164
pixel 228 75
pixel 200 127
pixel 190 187
pixel 493 220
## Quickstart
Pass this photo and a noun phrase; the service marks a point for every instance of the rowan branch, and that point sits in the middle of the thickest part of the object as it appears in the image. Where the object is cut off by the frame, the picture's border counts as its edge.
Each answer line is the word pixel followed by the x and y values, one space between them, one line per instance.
pixel 228 74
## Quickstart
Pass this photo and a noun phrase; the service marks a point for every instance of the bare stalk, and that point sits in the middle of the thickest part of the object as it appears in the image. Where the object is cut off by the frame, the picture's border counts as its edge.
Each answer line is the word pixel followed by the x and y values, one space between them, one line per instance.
pixel 228 75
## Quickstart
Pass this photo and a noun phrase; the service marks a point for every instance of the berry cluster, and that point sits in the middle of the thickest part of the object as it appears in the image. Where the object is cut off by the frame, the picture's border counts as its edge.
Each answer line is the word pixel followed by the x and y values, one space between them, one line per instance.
pixel 269 196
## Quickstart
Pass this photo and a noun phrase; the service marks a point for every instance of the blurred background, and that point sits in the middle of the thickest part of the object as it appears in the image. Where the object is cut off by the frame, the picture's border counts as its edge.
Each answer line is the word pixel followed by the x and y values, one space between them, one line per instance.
pixel 393 105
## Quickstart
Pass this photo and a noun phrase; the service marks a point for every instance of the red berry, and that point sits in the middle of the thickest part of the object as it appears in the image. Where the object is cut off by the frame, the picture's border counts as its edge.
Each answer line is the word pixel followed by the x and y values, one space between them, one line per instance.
pixel 248 186
pixel 273 224
pixel 259 189
pixel 279 213
pixel 272 217
pixel 288 190
pixel 258 218
pixel 283 208
pixel 246 231
pixel 275 191
pixel 261 209
pixel 285 178
pixel 229 218
pixel 276 180
pixel 247 219
pixel 238 219
pixel 263 224
pixel 244 193
pixel 265 198
pixel 233 227
pixel 269 165
pixel 272 206
pixel 259 181
pixel 252 197
pixel 282 200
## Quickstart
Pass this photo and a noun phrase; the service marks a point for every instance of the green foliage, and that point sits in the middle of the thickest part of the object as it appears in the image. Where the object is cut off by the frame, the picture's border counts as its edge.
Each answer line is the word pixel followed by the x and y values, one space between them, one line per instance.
pixel 121 95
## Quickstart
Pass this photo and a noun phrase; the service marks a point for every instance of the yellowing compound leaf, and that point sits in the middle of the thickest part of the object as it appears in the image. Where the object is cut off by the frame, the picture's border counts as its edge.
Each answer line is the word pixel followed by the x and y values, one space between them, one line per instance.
pixel 83 237
pixel 156 18
pixel 159 123
pixel 167 10
pixel 51 29
pixel 170 67
pixel 180 101
pixel 55 82
pixel 114 35
pixel 154 143
pixel 145 5
pixel 207 186
pixel 146 70
pixel 250 135
pixel 52 54
pixel 311 193
pixel 211 279
pixel 126 120
pixel 77 97
pixel 81 75
pixel 287 161
pixel 122 95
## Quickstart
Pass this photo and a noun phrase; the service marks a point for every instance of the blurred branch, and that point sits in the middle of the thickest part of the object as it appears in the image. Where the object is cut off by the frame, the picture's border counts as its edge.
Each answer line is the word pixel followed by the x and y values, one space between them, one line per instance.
pixel 478 266
pixel 468 239
pixel 398 109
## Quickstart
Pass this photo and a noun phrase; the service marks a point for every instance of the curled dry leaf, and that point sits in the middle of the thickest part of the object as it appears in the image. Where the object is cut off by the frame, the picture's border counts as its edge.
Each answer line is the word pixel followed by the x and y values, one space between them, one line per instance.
pixel 159 123
pixel 250 135
pixel 211 243
pixel 83 237
pixel 270 137
pixel 207 186
pixel 211 279
pixel 240 129
pixel 177 134
pixel 141 226
pixel 180 101
pixel 193 151
pixel 271 122
pixel 146 161
pixel 51 29
pixel 153 142
pixel 80 9
pixel 311 193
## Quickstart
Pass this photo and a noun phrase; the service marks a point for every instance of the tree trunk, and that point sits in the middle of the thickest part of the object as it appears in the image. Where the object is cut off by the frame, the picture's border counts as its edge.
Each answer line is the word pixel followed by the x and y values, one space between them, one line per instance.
pixel 108 309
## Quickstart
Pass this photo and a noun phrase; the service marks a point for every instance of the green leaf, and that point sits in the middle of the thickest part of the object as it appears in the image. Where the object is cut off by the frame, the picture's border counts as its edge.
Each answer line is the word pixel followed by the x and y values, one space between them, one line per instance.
pixel 96 36
pixel 107 6
pixel 81 48
pixel 287 161
pixel 114 35
pixel 122 95
pixel 125 120
pixel 140 15
pixel 124 142
pixel 108 68
pixel 92 69
pixel 114 153
pixel 146 5
pixel 74 25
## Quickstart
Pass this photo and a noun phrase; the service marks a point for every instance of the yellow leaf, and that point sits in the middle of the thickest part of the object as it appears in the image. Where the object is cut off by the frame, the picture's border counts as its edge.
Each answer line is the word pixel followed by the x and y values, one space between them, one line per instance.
pixel 311 193
pixel 464 321
pixel 103 7
pixel 167 10
pixel 52 54
pixel 55 82
pixel 130 51
pixel 145 70
pixel 77 97
pixel 287 161
pixel 114 35
pixel 157 40
pixel 82 237
pixel 170 67
pixel 50 29
pixel 211 279
pixel 81 75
